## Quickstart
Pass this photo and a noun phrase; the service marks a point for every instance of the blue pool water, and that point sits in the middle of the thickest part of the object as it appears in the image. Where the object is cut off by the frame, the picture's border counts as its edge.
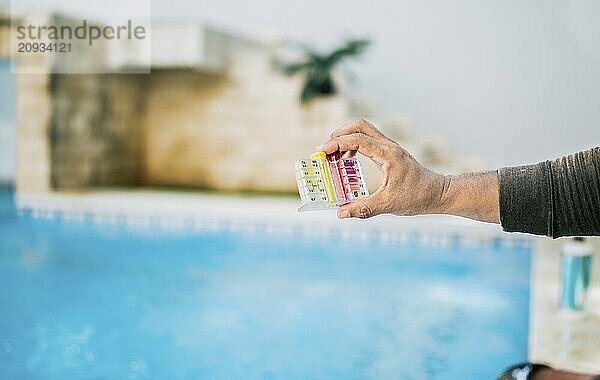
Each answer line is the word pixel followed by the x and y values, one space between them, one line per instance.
pixel 84 301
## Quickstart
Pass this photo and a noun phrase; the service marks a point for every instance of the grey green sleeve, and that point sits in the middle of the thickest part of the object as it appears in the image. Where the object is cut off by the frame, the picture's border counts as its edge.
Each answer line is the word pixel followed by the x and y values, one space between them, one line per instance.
pixel 554 198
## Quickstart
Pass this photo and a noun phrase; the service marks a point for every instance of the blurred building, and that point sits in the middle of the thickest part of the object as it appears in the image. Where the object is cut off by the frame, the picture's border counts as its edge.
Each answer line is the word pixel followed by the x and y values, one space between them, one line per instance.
pixel 215 112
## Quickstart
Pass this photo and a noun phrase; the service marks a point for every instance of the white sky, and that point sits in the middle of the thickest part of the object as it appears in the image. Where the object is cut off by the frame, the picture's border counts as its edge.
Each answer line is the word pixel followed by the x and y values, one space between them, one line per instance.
pixel 513 81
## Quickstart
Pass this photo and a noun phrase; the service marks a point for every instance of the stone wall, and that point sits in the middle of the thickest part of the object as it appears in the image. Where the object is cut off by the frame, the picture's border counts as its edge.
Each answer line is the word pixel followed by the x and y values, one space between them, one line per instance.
pixel 240 129
pixel 77 131
pixel 95 130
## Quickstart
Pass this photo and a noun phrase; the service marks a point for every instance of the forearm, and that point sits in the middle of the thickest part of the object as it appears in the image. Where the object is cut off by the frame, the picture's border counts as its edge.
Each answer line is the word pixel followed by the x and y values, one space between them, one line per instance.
pixel 473 196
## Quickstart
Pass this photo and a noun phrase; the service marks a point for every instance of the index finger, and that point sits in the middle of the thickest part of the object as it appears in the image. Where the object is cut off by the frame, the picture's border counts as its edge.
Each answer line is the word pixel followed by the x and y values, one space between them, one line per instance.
pixel 366 145
pixel 359 126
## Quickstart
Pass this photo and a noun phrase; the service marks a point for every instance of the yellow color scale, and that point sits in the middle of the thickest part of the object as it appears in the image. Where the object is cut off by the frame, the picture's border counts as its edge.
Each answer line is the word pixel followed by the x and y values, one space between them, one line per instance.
pixel 323 164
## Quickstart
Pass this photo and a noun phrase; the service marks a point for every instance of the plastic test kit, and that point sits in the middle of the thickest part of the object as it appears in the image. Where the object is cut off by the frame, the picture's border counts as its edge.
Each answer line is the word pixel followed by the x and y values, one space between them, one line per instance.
pixel 329 181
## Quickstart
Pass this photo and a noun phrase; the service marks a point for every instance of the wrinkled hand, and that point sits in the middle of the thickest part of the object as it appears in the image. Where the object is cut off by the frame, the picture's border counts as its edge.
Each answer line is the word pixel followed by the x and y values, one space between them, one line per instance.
pixel 406 187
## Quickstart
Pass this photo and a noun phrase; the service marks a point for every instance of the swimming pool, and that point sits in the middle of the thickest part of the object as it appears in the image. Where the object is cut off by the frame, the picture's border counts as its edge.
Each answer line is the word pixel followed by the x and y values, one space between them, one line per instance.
pixel 82 300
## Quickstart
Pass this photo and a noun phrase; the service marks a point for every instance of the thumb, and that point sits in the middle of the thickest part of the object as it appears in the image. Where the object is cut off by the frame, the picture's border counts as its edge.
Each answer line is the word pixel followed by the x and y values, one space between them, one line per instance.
pixel 363 208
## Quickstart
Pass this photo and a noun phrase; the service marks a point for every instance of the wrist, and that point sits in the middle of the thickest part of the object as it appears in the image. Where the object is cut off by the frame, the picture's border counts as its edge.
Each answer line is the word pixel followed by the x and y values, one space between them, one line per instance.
pixel 438 197
pixel 473 196
pixel 447 194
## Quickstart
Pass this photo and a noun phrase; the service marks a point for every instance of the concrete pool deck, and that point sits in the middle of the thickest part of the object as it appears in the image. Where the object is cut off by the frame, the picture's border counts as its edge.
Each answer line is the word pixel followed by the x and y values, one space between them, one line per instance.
pixel 562 341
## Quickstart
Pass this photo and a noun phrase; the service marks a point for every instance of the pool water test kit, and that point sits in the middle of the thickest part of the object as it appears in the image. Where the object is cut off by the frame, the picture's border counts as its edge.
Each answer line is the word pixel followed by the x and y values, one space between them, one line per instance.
pixel 328 181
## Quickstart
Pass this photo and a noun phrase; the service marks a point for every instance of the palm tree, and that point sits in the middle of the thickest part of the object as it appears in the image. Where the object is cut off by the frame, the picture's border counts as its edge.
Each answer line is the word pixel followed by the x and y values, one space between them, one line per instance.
pixel 319 67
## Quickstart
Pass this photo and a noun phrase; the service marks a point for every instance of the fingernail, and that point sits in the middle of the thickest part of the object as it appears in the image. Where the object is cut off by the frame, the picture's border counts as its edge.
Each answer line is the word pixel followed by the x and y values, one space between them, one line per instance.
pixel 319 148
pixel 344 214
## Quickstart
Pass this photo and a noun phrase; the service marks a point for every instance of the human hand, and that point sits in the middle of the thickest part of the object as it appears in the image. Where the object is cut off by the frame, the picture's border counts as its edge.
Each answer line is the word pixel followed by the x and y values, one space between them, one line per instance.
pixel 406 187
